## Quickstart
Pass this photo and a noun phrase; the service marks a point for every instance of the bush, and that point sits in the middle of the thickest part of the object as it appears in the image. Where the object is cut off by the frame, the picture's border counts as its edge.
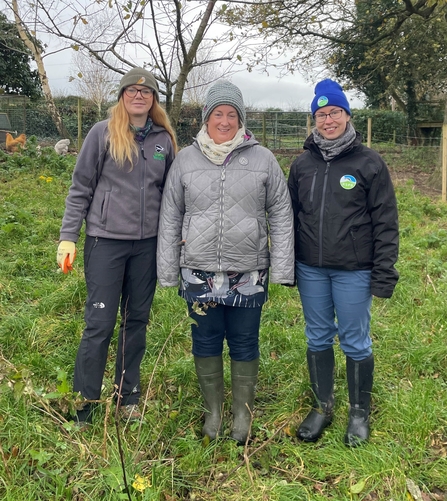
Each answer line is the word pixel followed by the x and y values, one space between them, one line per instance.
pixel 387 126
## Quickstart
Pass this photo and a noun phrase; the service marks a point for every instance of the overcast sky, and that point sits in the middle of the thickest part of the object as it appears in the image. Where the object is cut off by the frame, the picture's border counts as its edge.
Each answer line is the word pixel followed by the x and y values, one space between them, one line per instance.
pixel 288 93
pixel 260 91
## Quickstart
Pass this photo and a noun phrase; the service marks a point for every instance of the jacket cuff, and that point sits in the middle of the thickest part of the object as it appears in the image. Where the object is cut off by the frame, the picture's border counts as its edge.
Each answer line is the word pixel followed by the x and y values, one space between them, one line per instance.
pixel 70 237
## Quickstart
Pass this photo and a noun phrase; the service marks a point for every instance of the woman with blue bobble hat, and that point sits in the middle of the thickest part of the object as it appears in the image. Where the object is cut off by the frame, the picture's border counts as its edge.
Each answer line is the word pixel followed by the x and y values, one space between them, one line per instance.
pixel 226 218
pixel 346 247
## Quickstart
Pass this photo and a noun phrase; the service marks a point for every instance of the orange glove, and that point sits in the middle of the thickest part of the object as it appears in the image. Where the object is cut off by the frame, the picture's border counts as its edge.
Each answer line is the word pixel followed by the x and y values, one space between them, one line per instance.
pixel 66 253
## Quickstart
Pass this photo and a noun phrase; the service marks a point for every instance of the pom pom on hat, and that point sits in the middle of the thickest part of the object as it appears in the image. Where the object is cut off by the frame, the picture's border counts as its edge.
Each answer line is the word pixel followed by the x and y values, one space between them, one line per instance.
pixel 139 76
pixel 329 93
pixel 224 92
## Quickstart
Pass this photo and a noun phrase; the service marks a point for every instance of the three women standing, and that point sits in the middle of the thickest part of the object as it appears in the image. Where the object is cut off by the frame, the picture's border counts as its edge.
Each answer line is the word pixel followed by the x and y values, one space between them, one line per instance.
pixel 226 218
pixel 346 240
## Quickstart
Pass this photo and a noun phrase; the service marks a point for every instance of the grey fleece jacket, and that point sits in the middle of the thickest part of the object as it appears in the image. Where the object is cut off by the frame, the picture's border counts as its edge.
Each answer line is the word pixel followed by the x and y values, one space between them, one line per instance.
pixel 235 217
pixel 124 203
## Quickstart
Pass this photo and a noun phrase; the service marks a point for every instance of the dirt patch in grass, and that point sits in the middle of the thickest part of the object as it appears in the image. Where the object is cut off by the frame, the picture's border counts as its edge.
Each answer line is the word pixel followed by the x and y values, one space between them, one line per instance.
pixel 421 181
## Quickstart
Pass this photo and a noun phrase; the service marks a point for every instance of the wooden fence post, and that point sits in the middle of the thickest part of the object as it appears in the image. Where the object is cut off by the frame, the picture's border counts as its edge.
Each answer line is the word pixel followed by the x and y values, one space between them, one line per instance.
pixel 79 124
pixel 309 125
pixel 369 134
pixel 444 162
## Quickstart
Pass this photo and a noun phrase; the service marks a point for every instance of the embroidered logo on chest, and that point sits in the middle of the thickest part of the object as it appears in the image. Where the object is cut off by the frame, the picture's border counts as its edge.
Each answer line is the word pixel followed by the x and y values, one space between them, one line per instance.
pixel 348 182
pixel 158 154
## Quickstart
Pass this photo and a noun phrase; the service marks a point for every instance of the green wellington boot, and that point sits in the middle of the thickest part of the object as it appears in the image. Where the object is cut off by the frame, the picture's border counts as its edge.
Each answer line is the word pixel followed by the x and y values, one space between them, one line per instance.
pixel 209 372
pixel 244 376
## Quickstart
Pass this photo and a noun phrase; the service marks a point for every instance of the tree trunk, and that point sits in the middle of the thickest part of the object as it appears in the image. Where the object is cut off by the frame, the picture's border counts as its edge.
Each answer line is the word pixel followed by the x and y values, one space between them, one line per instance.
pixel 37 54
pixel 411 113
pixel 188 58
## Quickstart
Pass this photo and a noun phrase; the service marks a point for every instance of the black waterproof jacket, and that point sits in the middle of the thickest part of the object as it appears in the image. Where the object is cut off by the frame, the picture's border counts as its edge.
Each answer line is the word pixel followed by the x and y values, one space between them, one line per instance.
pixel 345 213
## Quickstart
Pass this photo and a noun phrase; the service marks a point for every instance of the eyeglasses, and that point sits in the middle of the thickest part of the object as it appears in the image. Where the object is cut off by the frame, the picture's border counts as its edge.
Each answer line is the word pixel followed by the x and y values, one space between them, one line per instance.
pixel 321 117
pixel 132 92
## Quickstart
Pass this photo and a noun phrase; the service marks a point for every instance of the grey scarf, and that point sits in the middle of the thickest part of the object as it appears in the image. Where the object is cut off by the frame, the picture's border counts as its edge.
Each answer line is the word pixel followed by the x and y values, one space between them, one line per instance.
pixel 330 148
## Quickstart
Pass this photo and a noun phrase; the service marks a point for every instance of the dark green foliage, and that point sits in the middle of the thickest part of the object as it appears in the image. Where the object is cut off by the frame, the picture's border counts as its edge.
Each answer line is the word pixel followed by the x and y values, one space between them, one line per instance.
pixel 16 76
pixel 409 65
pixel 387 125
pixel 189 124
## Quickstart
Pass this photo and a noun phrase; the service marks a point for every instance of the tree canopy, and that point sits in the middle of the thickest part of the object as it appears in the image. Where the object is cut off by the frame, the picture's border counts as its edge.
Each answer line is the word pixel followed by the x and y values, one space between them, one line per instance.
pixel 409 65
pixel 163 37
pixel 306 29
pixel 16 75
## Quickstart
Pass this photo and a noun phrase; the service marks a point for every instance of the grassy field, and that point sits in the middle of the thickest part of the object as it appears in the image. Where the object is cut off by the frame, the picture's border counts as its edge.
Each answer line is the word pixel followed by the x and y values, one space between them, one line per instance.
pixel 41 321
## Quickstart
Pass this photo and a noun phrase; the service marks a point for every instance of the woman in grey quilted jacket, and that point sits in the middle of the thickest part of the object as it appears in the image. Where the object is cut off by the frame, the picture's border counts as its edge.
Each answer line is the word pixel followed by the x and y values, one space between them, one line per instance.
pixel 226 219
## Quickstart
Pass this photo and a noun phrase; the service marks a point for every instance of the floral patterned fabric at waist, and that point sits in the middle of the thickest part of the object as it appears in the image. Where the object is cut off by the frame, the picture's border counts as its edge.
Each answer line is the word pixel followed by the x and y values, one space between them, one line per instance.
pixel 246 290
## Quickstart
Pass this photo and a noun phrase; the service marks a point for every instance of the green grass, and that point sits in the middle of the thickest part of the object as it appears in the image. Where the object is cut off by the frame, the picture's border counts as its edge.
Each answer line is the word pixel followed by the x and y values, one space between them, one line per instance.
pixel 41 312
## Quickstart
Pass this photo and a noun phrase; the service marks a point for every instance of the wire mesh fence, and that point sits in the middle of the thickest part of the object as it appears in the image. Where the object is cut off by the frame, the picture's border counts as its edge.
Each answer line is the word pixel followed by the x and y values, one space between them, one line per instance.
pixel 277 130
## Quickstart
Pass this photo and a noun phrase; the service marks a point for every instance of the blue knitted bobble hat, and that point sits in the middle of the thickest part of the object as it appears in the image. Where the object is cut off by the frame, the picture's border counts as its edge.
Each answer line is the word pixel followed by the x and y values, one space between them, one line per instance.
pixel 224 92
pixel 329 93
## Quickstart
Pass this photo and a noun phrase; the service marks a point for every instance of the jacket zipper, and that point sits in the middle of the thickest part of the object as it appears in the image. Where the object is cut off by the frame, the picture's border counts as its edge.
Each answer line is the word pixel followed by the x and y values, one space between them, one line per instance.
pixel 312 188
pixel 320 229
pixel 142 193
pixel 221 211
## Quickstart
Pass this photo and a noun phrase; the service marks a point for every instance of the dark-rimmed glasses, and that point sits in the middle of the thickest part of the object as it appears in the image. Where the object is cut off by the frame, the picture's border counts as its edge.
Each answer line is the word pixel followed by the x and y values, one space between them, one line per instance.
pixel 321 117
pixel 132 92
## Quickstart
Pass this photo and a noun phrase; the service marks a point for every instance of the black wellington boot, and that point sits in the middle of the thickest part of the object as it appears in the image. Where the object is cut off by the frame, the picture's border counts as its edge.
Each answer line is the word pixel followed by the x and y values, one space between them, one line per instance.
pixel 360 382
pixel 321 371
pixel 244 376
pixel 211 380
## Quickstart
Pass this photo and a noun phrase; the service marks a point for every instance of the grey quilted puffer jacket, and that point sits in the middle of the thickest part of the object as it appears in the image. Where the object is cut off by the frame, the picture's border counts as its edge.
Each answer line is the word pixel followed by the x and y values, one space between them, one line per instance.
pixel 234 217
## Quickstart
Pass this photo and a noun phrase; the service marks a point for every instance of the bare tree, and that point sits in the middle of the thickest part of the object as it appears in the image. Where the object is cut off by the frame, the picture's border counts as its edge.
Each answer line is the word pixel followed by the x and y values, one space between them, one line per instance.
pixel 162 36
pixel 201 76
pixel 94 81
pixel 29 39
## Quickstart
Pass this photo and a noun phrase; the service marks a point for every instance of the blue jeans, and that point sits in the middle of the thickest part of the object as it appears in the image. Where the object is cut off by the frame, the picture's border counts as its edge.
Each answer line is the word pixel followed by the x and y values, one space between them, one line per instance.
pixel 240 326
pixel 336 301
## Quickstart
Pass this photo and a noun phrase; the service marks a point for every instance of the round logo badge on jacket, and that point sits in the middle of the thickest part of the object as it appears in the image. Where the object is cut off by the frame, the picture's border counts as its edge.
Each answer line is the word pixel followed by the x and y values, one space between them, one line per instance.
pixel 348 182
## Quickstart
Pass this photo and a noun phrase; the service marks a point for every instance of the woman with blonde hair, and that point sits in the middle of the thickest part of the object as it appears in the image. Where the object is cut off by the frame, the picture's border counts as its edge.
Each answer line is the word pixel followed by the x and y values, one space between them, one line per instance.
pixel 117 188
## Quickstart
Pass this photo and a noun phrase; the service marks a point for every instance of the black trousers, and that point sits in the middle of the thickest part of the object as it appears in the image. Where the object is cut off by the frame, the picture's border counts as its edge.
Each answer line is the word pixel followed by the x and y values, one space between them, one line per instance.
pixel 118 273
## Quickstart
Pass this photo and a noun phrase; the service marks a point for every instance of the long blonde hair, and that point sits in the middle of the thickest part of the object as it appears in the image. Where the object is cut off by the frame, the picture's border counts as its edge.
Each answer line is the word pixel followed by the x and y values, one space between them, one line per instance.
pixel 121 137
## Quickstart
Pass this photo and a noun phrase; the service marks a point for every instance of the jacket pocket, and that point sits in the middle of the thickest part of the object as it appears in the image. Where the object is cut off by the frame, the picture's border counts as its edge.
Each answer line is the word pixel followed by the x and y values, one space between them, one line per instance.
pixel 263 245
pixel 362 242
pixel 105 207
pixel 353 233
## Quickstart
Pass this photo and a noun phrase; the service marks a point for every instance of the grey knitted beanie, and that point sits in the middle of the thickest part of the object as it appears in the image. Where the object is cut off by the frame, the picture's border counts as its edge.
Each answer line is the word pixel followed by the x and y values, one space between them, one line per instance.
pixel 139 76
pixel 224 92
